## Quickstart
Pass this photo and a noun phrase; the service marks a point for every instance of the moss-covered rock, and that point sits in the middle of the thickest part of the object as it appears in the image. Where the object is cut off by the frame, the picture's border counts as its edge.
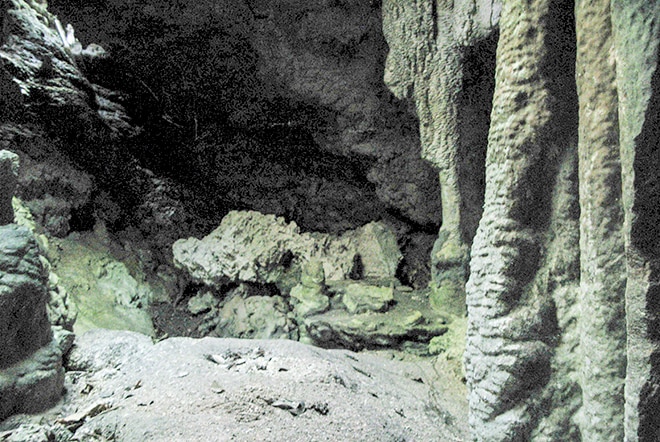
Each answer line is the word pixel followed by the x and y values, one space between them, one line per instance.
pixel 309 301
pixel 362 298
pixel 105 283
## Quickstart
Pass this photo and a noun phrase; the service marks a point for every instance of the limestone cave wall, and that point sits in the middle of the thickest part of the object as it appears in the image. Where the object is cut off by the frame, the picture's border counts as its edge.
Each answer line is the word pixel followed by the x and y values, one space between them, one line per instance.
pixel 240 95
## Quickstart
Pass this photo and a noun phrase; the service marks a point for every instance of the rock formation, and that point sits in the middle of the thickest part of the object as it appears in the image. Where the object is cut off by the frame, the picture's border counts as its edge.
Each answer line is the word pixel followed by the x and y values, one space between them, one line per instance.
pixel 561 283
pixel 252 247
pixel 266 128
pixel 329 290
pixel 31 372
pixel 635 41
pixel 556 263
pixel 429 62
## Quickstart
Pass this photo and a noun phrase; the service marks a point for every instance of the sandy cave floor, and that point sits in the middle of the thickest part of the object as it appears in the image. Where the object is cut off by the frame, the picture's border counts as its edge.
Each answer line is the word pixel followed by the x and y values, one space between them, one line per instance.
pixel 120 386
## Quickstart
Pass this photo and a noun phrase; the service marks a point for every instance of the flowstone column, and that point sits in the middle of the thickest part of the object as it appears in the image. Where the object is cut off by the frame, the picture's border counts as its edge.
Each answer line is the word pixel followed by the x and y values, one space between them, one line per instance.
pixel 425 63
pixel 636 25
pixel 519 280
pixel 602 263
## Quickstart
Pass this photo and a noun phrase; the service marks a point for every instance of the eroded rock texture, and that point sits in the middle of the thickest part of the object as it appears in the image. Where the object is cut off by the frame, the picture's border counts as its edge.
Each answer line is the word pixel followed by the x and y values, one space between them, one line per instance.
pixel 252 247
pixel 511 315
pixel 561 294
pixel 636 31
pixel 430 46
pixel 31 373
pixel 602 260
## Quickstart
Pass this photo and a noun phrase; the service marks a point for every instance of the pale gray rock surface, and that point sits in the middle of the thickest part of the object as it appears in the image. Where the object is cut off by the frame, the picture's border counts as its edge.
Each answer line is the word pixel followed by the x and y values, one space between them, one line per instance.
pixel 252 247
pixel 124 387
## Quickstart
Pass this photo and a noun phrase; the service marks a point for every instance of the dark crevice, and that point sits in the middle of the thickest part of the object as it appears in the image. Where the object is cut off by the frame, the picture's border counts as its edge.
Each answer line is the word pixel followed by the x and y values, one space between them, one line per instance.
pixel 645 229
pixel 431 229
pixel 82 218
pixel 645 238
pixel 474 114
pixel 434 20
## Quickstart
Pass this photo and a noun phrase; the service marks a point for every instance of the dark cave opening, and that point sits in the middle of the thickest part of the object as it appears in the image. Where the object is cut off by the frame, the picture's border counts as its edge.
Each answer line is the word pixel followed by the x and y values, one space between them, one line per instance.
pixel 213 124
pixel 211 135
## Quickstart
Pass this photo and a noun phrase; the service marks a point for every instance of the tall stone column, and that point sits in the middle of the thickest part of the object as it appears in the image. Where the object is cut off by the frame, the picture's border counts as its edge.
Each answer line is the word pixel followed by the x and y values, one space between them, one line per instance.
pixel 516 267
pixel 602 263
pixel 425 63
pixel 636 25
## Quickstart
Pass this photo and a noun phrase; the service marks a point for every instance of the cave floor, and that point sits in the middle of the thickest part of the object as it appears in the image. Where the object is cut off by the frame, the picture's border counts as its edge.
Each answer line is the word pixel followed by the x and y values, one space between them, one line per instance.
pixel 120 386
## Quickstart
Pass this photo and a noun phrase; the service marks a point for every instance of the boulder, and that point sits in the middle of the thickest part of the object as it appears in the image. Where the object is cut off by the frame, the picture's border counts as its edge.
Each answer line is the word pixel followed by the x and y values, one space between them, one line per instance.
pixel 310 296
pixel 252 247
pixel 362 298
pixel 309 301
pixel 254 317
pixel 247 246
pixel 31 373
pixel 24 325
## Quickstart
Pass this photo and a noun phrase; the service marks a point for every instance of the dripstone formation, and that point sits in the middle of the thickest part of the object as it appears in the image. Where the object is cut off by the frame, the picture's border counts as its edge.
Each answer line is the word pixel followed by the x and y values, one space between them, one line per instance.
pixel 562 287
pixel 475 178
